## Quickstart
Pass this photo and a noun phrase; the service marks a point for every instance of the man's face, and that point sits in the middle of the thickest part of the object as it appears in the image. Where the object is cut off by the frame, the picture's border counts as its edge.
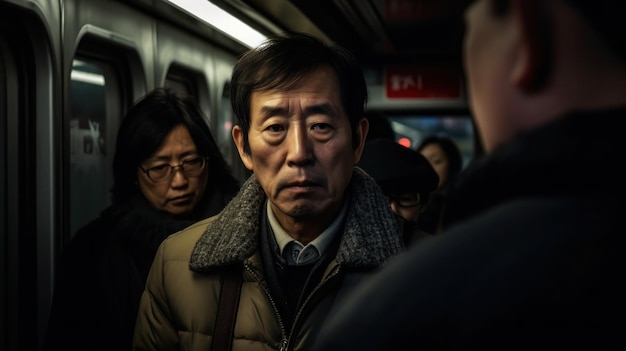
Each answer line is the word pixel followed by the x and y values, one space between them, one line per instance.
pixel 301 148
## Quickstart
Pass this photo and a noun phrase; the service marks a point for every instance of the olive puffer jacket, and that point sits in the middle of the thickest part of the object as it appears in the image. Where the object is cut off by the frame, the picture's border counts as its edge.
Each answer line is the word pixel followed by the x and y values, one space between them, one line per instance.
pixel 178 307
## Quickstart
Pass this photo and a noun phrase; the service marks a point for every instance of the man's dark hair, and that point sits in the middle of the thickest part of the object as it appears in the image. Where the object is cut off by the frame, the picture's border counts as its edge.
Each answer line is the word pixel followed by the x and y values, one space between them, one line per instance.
pixel 284 62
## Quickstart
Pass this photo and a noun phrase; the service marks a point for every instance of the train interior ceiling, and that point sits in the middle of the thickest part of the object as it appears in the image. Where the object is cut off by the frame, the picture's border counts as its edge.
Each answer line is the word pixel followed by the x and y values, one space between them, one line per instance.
pixel 377 31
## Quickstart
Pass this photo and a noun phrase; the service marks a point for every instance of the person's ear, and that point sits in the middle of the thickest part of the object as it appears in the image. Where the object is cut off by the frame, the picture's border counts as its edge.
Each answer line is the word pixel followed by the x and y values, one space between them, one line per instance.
pixel 238 138
pixel 534 61
pixel 362 128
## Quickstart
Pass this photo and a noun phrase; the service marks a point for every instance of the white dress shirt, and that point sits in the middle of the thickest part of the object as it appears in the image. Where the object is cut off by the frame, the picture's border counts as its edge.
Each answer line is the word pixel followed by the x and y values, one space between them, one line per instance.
pixel 293 251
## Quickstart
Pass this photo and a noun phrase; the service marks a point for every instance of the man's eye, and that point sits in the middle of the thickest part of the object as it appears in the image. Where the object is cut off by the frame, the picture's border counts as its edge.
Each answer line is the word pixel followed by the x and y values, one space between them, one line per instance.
pixel 275 128
pixel 321 126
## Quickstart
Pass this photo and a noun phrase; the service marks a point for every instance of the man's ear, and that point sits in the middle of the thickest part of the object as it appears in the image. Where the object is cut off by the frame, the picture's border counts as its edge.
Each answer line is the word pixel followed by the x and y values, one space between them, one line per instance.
pixel 534 62
pixel 361 132
pixel 238 138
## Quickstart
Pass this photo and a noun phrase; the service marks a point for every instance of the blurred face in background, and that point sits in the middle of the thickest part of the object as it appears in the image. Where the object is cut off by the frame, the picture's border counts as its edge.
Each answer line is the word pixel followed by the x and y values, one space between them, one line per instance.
pixel 438 159
pixel 176 191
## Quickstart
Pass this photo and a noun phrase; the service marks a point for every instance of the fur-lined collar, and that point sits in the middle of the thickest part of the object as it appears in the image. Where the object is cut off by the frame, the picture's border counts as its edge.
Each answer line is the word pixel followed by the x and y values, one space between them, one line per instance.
pixel 370 235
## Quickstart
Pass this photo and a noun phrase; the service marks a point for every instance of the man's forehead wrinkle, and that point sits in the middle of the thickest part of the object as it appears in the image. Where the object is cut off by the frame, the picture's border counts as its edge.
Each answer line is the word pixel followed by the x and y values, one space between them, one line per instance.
pixel 324 108
pixel 273 110
pixel 315 108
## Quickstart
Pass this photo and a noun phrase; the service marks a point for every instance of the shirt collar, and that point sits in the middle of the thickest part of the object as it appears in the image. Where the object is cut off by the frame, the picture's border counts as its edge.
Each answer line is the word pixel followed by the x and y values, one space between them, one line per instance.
pixel 321 243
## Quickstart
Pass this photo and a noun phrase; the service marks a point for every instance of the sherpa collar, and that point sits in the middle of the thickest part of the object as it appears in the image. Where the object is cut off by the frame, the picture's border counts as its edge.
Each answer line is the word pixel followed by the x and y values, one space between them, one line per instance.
pixel 370 235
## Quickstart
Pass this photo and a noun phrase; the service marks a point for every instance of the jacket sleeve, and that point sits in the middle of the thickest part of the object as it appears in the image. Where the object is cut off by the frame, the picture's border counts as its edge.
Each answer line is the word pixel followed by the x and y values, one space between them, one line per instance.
pixel 154 329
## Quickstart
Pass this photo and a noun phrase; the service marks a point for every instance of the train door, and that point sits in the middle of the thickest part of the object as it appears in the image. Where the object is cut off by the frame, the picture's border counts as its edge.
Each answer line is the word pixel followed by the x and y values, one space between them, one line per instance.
pixel 7 85
pixel 29 160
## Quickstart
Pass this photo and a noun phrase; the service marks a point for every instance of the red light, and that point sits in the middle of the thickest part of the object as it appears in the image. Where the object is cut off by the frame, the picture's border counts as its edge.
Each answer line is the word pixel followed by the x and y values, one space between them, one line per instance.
pixel 406 142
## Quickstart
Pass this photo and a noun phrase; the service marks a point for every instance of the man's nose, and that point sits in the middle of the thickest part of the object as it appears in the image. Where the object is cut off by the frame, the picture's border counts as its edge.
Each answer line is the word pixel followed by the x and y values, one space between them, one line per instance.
pixel 299 146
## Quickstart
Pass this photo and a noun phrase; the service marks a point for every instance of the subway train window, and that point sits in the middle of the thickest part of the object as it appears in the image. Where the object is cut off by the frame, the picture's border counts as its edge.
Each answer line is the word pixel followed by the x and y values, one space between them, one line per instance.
pixel 177 85
pixel 180 81
pixel 411 130
pixel 93 127
pixel 225 121
pixel 191 82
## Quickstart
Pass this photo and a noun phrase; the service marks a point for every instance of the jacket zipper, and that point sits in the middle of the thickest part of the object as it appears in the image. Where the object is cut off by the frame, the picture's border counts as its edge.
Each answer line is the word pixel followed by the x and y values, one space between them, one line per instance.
pixel 283 332
pixel 306 302
pixel 283 345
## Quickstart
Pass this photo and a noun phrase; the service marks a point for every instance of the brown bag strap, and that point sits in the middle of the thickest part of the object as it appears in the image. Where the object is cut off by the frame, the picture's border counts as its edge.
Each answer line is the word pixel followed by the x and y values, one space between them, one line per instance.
pixel 227 309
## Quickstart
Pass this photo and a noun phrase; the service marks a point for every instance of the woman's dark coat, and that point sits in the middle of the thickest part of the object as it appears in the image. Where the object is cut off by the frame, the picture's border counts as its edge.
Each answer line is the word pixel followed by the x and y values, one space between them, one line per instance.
pixel 103 272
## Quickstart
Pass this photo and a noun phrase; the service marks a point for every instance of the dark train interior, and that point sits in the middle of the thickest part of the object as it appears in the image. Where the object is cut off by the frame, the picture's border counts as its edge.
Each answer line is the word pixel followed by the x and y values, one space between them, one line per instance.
pixel 69 69
pixel 377 31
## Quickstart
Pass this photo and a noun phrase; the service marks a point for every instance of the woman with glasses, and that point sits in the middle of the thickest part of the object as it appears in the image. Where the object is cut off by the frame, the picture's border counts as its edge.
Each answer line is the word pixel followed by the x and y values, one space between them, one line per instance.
pixel 168 173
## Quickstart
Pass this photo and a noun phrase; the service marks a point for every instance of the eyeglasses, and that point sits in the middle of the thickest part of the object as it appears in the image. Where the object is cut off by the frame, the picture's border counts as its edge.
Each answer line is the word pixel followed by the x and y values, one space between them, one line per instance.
pixel 405 200
pixel 190 168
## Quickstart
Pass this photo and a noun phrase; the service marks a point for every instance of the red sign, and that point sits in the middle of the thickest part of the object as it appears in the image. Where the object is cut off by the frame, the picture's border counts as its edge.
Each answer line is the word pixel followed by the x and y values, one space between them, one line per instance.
pixel 423 82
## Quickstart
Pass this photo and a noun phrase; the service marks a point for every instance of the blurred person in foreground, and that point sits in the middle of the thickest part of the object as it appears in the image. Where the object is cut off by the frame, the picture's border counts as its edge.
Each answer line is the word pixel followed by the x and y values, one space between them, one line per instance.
pixel 532 248
pixel 407 180
pixel 167 174
pixel 305 228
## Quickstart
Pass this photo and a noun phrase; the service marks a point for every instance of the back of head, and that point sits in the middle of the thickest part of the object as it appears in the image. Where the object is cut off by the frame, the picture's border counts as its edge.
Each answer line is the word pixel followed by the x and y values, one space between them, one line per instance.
pixel 561 49
pixel 380 126
pixel 144 129
pixel 397 169
pixel 605 16
pixel 283 62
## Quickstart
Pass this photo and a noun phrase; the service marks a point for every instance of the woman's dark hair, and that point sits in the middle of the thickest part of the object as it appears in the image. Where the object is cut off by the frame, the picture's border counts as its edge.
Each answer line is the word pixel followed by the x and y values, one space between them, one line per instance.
pixel 143 130
pixel 449 147
pixel 283 62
